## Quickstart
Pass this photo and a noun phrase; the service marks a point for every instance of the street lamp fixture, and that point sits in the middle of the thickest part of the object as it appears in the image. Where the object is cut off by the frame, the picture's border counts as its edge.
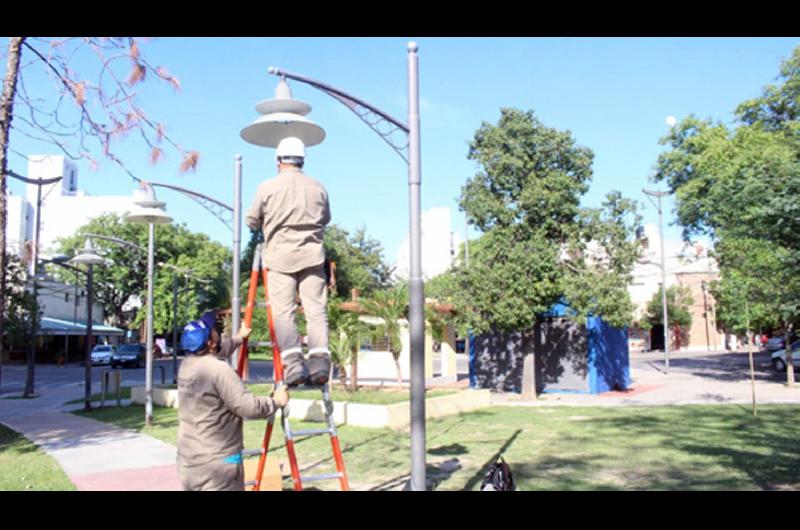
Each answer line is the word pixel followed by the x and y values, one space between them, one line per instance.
pixel 150 211
pixel 89 257
pixel 386 126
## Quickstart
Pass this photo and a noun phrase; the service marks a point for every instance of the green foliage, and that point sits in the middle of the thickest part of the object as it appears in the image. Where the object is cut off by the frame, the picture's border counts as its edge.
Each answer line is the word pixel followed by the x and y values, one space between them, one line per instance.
pixel 346 333
pixel 20 304
pixel 538 244
pixel 679 303
pixel 359 261
pixel 390 305
pixel 127 276
pixel 740 186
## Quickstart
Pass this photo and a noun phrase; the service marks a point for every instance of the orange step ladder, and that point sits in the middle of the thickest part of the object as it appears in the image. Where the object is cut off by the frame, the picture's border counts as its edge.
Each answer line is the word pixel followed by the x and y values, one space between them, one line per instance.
pixel 289 434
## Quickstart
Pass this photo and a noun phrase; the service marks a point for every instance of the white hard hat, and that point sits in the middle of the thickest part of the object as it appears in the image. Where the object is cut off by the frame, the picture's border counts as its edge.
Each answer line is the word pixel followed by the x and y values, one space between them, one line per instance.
pixel 291 147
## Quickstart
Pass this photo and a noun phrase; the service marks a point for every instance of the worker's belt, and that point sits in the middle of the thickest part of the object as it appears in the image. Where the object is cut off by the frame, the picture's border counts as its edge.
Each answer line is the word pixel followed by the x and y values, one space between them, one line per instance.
pixel 233 459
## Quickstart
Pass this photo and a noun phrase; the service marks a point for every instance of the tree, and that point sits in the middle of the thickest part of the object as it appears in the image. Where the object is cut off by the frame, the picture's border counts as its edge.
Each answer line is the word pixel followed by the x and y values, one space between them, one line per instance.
pixel 78 112
pixel 391 306
pixel 346 333
pixel 359 261
pixel 538 244
pixel 679 304
pixel 21 305
pixel 127 275
pixel 740 186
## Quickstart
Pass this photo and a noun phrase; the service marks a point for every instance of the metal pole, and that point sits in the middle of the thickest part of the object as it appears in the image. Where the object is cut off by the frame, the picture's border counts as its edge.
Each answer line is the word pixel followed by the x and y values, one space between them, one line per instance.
pixel 663 289
pixel 88 355
pixel 236 305
pixel 417 289
pixel 31 371
pixel 174 328
pixel 148 375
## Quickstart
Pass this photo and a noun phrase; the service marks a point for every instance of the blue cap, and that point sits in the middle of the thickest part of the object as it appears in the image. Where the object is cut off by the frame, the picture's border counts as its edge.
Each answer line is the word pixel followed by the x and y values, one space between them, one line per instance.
pixel 195 336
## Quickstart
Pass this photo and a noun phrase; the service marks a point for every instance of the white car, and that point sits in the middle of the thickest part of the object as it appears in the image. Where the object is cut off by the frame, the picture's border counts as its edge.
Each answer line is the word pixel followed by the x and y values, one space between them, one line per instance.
pixel 779 357
pixel 101 354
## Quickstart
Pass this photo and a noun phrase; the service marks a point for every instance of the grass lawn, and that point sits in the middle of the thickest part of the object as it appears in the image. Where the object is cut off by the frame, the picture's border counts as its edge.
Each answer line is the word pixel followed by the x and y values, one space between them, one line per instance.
pixel 125 393
pixel 23 466
pixel 713 447
pixel 372 396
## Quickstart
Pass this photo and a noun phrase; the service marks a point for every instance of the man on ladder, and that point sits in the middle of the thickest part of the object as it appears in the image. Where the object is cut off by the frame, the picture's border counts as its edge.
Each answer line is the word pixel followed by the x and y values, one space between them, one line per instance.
pixel 292 209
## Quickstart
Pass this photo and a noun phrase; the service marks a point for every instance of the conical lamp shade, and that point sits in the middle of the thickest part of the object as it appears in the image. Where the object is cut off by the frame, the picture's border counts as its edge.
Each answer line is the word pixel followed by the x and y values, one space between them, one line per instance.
pixel 147 215
pixel 88 255
pixel 270 129
pixel 283 102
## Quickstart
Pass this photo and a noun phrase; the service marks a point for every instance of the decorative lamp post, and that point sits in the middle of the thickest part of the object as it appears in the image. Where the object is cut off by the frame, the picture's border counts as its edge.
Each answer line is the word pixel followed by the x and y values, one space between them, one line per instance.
pixel 89 257
pixel 149 211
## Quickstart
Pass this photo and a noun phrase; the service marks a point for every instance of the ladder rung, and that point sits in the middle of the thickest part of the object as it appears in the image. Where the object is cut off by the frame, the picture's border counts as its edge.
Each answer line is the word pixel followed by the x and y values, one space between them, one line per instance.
pixel 259 344
pixel 252 452
pixel 250 483
pixel 327 476
pixel 262 304
pixel 310 432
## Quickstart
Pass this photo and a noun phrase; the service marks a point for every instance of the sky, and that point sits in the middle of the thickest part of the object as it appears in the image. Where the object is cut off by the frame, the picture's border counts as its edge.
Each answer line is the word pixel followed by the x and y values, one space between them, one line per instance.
pixel 612 94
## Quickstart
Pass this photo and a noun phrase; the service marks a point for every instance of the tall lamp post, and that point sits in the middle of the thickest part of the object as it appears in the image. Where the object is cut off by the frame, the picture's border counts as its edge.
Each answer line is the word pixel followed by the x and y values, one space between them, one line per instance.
pixel 379 122
pixel 88 256
pixel 175 293
pixel 659 194
pixel 150 211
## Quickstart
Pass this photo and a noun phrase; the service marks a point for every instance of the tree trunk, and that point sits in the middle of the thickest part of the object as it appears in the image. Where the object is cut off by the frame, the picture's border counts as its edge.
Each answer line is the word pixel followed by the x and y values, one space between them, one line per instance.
pixel 6 115
pixel 399 371
pixel 752 370
pixel 354 369
pixel 789 363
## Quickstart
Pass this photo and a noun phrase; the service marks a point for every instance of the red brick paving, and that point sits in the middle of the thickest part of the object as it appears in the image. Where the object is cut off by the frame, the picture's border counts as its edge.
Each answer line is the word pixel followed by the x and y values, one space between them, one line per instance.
pixel 632 391
pixel 161 478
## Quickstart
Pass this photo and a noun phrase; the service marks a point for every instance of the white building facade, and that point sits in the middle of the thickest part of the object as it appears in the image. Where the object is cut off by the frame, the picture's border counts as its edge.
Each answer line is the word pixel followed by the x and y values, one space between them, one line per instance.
pixel 439 245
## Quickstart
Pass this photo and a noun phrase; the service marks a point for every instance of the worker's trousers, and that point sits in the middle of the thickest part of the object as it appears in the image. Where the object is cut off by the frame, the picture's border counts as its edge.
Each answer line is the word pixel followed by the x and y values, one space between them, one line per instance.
pixel 283 288
pixel 213 476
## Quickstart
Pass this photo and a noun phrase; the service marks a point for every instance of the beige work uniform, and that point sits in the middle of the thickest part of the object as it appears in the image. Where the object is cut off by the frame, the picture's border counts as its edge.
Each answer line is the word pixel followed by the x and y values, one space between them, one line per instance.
pixel 292 209
pixel 212 403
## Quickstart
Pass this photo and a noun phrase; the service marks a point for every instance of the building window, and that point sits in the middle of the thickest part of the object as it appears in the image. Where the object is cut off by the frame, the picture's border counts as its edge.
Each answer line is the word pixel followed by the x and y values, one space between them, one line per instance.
pixel 66 297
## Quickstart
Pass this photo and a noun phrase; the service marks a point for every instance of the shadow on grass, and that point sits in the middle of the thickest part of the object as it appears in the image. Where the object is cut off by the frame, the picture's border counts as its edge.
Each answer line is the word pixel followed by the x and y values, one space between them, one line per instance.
pixel 722 444
pixel 478 477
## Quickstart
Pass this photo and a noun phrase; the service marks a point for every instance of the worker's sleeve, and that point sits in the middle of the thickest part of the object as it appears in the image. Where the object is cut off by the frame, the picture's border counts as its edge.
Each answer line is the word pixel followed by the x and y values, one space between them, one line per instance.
pixel 326 215
pixel 228 345
pixel 238 398
pixel 254 214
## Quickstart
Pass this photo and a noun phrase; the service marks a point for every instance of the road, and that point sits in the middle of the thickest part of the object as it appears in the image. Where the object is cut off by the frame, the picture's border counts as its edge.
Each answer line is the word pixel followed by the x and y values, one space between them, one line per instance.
pixel 49 376
pixel 724 365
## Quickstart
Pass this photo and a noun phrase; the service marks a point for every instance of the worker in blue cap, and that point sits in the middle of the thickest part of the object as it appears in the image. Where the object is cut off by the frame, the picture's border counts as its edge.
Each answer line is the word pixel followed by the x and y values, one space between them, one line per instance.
pixel 213 401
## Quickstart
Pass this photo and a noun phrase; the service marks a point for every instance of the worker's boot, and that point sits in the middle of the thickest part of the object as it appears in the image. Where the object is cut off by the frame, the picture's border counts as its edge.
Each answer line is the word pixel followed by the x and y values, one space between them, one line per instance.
pixel 319 368
pixel 295 371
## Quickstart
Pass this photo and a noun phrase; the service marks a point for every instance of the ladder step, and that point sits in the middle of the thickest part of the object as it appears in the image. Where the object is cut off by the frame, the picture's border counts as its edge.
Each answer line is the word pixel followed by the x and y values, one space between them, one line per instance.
pixel 310 432
pixel 327 476
pixel 252 452
pixel 250 483
pixel 262 304
pixel 259 344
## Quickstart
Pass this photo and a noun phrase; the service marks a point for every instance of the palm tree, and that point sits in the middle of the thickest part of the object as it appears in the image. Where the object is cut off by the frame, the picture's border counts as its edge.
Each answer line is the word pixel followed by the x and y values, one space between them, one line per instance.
pixel 346 334
pixel 390 306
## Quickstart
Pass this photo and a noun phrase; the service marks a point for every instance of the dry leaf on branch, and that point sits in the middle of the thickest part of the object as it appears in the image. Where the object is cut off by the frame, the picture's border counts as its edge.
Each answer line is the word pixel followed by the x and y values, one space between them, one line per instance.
pixel 137 74
pixel 155 155
pixel 190 161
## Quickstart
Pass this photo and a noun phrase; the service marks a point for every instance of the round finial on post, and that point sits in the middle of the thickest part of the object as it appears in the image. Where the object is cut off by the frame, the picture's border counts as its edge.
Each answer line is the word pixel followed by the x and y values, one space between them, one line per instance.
pixel 238 158
pixel 413 47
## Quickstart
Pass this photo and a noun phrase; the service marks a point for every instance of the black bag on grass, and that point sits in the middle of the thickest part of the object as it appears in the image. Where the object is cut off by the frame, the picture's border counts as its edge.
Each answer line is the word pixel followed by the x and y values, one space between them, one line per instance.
pixel 498 478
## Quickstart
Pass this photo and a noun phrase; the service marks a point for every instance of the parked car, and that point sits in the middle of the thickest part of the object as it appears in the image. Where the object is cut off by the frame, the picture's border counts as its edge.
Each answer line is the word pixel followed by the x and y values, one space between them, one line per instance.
pixel 101 354
pixel 128 355
pixel 776 343
pixel 779 357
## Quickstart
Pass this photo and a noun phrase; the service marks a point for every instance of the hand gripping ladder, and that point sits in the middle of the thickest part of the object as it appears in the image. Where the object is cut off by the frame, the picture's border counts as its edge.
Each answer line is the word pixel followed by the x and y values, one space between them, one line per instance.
pixel 289 434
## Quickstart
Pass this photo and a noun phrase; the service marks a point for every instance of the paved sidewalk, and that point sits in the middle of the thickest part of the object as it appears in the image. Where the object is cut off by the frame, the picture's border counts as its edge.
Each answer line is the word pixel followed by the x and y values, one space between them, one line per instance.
pixel 95 456
pixel 651 387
